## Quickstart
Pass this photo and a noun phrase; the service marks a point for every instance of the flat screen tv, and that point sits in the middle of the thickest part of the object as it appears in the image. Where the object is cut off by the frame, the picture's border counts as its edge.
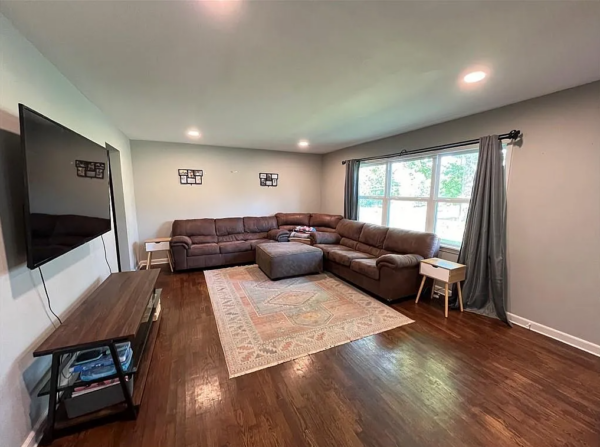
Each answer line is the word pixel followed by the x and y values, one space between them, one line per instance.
pixel 66 188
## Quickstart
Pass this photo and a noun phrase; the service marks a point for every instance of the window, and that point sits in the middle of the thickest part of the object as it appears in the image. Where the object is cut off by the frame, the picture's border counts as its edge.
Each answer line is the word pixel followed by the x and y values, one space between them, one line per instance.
pixel 429 193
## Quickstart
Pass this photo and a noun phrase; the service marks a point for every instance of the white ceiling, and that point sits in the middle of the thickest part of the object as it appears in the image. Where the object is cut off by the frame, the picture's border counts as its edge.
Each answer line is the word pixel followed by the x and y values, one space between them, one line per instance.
pixel 264 74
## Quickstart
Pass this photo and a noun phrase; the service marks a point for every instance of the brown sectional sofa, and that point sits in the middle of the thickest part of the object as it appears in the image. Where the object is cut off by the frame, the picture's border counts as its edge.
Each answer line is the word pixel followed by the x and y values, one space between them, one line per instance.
pixel 382 260
pixel 201 243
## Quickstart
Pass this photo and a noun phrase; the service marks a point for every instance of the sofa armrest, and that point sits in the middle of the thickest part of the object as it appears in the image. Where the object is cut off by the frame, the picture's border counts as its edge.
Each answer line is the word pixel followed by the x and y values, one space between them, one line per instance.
pixel 398 261
pixel 181 241
pixel 279 235
pixel 322 237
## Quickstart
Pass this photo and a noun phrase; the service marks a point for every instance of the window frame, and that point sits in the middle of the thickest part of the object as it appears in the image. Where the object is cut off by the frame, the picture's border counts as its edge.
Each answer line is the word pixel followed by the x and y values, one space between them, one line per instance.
pixel 433 199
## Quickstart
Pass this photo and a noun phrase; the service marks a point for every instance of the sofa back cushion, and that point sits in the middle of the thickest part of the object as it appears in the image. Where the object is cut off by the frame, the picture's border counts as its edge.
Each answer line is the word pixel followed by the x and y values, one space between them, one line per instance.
pixel 259 224
pixel 295 219
pixel 325 220
pixel 229 225
pixel 370 239
pixel 373 235
pixel 200 231
pixel 230 229
pixel 407 242
pixel 350 229
pixel 378 240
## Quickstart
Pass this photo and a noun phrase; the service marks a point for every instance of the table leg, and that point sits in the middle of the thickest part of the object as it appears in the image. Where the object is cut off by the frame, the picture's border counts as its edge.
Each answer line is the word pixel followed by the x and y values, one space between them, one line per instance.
pixel 446 300
pixel 121 375
pixel 460 301
pixel 149 260
pixel 49 435
pixel 421 288
pixel 432 288
pixel 170 258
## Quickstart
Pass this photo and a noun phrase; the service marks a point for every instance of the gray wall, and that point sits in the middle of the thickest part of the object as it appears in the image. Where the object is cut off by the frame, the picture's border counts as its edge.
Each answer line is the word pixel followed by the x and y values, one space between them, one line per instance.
pixel 160 198
pixel 553 201
pixel 27 77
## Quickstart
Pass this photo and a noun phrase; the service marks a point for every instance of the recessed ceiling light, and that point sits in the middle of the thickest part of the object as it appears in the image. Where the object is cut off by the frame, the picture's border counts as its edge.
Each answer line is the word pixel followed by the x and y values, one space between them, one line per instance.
pixel 475 76
pixel 194 133
pixel 303 143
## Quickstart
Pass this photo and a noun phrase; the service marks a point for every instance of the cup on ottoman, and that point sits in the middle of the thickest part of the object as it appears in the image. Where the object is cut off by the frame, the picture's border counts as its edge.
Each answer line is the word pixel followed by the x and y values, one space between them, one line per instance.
pixel 284 260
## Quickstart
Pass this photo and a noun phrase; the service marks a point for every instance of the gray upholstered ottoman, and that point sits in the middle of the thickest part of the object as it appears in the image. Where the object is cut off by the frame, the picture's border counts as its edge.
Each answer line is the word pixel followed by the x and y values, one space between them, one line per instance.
pixel 286 259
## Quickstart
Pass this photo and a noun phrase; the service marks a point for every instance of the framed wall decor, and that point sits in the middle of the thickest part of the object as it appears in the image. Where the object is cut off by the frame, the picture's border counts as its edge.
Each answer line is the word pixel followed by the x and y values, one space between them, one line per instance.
pixel 190 176
pixel 268 179
pixel 90 169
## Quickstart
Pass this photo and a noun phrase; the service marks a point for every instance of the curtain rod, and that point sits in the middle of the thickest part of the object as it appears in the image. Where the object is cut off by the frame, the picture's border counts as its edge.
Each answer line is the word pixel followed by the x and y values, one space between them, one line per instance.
pixel 512 135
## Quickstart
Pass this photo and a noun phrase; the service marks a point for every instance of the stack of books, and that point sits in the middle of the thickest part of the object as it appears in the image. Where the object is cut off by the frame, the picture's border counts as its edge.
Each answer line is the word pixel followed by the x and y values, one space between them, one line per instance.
pixel 90 388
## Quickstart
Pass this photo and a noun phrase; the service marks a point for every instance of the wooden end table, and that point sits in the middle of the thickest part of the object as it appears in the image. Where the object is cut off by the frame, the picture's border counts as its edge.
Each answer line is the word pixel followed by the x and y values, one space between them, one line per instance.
pixel 446 271
pixel 158 244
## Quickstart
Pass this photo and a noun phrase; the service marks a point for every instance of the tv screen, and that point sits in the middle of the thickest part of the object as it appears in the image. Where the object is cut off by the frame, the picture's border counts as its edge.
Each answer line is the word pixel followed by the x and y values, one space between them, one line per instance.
pixel 67 190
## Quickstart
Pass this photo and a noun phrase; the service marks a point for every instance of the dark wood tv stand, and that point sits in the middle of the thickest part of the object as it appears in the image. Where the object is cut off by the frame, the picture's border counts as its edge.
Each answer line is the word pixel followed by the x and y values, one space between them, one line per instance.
pixel 120 309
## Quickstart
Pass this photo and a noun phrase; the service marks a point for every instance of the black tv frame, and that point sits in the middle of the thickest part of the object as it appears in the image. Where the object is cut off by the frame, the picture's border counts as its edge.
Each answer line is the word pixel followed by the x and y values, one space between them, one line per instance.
pixel 26 206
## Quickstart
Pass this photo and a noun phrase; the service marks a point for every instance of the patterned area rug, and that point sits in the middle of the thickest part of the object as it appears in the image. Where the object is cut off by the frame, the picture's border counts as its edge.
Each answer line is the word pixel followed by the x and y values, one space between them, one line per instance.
pixel 263 323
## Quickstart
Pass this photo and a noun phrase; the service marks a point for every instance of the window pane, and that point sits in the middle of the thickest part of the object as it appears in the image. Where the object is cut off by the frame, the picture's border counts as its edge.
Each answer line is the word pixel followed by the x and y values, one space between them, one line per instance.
pixel 370 211
pixel 408 215
pixel 371 180
pixel 457 172
pixel 450 222
pixel 412 178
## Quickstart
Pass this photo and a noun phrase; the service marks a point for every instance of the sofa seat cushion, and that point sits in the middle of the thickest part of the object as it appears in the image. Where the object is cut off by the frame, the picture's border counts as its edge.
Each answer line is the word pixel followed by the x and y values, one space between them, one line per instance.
pixel 203 249
pixel 345 257
pixel 329 248
pixel 234 247
pixel 255 242
pixel 367 267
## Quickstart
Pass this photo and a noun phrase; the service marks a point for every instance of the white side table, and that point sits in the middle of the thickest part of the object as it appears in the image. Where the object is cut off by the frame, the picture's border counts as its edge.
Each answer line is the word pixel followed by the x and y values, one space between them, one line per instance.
pixel 158 244
pixel 446 271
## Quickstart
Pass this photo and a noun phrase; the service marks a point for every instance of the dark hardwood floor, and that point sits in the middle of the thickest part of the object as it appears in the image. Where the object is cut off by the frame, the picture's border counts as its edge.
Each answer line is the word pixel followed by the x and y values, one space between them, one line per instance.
pixel 462 381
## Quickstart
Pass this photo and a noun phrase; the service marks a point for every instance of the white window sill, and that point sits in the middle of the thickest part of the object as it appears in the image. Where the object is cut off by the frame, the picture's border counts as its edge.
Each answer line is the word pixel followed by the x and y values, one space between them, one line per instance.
pixel 449 249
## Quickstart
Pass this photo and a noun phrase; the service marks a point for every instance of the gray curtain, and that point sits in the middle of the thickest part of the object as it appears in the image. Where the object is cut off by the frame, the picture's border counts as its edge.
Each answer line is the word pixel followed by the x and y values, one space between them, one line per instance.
pixel 351 190
pixel 484 243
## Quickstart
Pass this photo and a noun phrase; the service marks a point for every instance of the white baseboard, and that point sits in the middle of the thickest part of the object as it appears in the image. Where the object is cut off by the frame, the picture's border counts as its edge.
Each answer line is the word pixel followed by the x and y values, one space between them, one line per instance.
pixel 555 334
pixel 35 435
pixel 154 262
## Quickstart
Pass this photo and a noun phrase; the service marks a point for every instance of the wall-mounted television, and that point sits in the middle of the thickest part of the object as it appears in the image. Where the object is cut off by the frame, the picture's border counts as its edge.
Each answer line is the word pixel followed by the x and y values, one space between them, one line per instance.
pixel 66 188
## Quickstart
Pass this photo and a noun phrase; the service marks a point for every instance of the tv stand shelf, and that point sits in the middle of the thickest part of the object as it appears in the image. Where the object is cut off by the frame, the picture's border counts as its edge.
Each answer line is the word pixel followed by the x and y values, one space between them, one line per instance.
pixel 120 309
